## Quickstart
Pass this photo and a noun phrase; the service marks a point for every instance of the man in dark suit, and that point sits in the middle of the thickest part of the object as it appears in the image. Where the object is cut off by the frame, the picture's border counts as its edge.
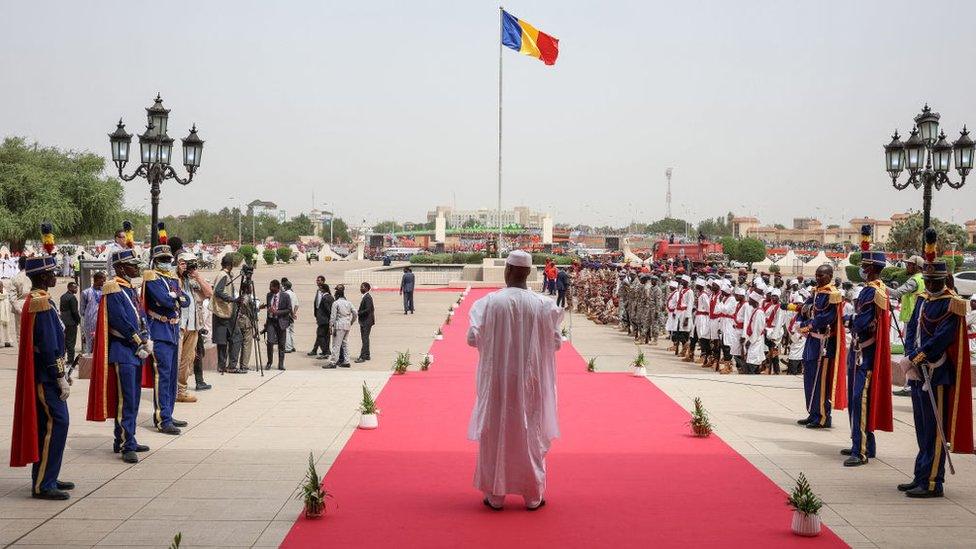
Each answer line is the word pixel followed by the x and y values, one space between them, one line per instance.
pixel 366 320
pixel 278 305
pixel 71 318
pixel 562 284
pixel 323 313
pixel 406 289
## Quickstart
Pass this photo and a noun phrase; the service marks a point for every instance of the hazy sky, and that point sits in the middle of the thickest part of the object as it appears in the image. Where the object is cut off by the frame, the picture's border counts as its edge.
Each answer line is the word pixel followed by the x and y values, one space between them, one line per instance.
pixel 387 108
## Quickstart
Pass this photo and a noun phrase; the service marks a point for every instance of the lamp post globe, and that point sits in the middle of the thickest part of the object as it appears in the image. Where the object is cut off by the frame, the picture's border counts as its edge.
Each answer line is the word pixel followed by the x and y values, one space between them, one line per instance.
pixel 914 152
pixel 158 116
pixel 120 141
pixel 941 155
pixel 927 123
pixel 895 156
pixel 963 152
pixel 192 150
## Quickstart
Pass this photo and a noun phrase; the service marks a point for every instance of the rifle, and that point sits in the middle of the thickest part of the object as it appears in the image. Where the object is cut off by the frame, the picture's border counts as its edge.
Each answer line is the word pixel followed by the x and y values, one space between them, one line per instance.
pixel 927 387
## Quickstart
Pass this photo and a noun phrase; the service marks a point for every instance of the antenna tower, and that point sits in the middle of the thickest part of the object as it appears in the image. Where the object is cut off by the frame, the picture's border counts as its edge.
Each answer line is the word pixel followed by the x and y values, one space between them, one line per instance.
pixel 667 173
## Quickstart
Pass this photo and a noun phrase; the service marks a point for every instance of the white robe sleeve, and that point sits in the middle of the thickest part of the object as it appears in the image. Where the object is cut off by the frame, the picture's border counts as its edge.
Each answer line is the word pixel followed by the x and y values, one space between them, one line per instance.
pixel 476 318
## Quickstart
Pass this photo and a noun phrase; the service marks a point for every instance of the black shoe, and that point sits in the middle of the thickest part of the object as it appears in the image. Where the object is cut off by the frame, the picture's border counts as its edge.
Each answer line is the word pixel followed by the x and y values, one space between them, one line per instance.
pixel 323 357
pixel 803 421
pixel 854 461
pixel 139 448
pixel 234 371
pixel 169 430
pixel 907 486
pixel 267 366
pixel 203 386
pixel 485 501
pixel 845 452
pixel 345 365
pixel 7 345
pixel 902 393
pixel 65 485
pixel 361 360
pixel 281 367
pixel 53 493
pixel 537 507
pixel 818 426
pixel 310 353
pixel 130 457
pixel 179 423
pixel 328 366
pixel 921 492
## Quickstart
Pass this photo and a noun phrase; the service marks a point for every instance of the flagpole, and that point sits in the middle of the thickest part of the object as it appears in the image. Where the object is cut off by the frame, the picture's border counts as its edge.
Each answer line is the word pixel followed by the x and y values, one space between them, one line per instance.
pixel 501 23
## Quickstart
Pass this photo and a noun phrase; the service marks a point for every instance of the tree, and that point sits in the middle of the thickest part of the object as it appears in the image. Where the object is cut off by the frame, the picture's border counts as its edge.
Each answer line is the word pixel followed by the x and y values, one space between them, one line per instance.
pixel 384 227
pixel 779 226
pixel 717 227
pixel 906 235
pixel 340 230
pixel 64 187
pixel 668 225
pixel 730 246
pixel 470 223
pixel 751 250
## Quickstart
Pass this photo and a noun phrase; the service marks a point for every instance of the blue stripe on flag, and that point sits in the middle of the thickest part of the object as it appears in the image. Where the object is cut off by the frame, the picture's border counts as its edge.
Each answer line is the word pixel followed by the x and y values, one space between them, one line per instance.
pixel 511 31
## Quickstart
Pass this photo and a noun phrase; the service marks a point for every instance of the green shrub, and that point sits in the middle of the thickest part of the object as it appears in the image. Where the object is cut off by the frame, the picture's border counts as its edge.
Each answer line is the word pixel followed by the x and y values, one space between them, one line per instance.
pixel 248 252
pixel 853 273
pixel 284 254
pixel 953 262
pixel 774 268
pixel 896 274
pixel 457 258
pixel 269 256
pixel 855 258
pixel 237 258
pixel 540 259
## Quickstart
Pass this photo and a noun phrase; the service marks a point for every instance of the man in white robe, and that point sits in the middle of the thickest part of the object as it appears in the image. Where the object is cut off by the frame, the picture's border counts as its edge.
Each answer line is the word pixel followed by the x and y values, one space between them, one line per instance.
pixel 755 335
pixel 514 420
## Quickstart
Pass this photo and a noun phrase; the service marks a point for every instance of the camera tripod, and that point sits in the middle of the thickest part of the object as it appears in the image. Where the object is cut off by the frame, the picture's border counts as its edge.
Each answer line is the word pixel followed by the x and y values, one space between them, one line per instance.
pixel 249 301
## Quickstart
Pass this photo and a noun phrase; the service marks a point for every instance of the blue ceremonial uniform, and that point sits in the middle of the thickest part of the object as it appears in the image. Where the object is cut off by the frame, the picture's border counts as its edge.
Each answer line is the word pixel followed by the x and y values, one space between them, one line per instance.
pixel 930 331
pixel 126 326
pixel 818 353
pixel 163 312
pixel 860 366
pixel 52 412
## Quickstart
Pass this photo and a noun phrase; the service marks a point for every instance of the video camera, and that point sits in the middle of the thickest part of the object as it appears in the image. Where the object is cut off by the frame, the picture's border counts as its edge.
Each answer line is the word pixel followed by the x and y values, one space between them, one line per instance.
pixel 246 269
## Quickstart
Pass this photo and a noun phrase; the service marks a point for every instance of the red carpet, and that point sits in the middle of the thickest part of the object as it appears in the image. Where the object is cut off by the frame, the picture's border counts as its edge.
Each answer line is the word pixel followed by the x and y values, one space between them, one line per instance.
pixel 625 473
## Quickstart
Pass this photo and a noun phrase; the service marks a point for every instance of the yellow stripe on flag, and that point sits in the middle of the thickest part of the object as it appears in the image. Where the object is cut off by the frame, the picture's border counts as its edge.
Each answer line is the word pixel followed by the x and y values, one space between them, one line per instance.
pixel 530 36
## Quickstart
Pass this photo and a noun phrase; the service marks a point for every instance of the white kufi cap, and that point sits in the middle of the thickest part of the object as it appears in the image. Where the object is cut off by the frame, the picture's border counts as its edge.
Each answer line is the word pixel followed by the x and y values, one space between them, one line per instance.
pixel 519 258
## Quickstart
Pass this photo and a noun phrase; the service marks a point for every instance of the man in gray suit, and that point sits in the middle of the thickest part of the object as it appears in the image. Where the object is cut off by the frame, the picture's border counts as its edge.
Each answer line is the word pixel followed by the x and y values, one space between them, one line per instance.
pixel 278 320
pixel 406 289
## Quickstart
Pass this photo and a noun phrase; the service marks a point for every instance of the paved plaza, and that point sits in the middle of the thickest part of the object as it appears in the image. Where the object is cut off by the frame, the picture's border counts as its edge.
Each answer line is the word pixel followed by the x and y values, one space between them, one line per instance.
pixel 231 478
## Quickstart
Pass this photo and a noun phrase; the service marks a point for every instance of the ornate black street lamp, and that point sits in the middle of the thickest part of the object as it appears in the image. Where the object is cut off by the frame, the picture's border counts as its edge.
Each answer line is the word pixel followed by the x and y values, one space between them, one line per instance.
pixel 155 155
pixel 927 155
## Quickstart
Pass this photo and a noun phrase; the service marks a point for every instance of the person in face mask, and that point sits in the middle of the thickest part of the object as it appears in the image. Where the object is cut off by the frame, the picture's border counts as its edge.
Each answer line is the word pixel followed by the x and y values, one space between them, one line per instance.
pixel 163 300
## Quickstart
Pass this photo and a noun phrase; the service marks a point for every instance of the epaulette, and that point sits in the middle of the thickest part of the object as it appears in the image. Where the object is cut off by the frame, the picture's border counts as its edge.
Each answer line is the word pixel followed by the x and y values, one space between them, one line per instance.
pixel 111 287
pixel 40 301
pixel 835 297
pixel 149 275
pixel 880 296
pixel 958 306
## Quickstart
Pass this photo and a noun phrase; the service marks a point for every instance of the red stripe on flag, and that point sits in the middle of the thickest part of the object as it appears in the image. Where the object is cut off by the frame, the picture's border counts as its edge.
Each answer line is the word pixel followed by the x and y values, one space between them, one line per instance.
pixel 548 48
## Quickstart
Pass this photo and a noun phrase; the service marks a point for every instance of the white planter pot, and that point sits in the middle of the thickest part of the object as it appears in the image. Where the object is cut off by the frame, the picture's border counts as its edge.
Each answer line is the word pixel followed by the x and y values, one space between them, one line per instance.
pixel 806 525
pixel 450 313
pixel 563 338
pixel 368 421
pixel 439 337
pixel 640 372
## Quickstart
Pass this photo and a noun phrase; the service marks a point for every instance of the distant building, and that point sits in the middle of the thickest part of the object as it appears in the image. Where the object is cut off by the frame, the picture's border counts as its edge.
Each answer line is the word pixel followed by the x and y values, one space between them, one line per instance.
pixel 488 217
pixel 971 231
pixel 812 230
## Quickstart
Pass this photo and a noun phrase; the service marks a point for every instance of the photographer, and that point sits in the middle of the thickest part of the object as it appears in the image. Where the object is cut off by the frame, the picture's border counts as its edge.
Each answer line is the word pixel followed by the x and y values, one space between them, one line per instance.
pixel 247 315
pixel 224 305
pixel 191 323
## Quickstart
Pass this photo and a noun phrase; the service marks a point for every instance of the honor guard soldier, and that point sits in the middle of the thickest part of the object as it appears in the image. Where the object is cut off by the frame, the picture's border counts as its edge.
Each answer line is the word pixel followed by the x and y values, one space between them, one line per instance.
pixel 121 346
pixel 40 427
pixel 163 299
pixel 869 363
pixel 941 384
pixel 825 353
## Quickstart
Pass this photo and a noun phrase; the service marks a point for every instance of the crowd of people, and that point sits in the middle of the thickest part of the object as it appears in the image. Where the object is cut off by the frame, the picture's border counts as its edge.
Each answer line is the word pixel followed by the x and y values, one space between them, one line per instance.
pixel 837 336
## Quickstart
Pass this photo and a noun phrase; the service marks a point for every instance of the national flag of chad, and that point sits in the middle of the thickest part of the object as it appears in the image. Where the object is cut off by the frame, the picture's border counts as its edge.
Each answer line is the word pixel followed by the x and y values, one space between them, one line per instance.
pixel 524 38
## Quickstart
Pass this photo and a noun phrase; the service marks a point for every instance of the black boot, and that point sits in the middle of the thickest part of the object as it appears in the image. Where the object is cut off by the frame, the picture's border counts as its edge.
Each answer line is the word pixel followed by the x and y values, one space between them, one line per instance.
pixel 65 485
pixel 922 492
pixel 130 457
pixel 53 494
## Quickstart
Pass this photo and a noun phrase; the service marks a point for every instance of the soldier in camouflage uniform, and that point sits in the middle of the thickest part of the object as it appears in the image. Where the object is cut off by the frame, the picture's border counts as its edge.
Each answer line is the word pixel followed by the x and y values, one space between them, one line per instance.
pixel 654 311
pixel 640 306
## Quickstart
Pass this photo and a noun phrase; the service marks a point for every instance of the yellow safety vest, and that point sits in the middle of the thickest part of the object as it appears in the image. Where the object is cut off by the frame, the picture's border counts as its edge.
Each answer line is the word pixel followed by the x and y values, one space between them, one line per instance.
pixel 908 300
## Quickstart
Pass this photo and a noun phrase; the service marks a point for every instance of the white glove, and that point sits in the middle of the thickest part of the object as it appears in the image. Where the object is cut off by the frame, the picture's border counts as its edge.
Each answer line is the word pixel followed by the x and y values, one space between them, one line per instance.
pixel 143 351
pixel 149 345
pixel 173 295
pixel 65 388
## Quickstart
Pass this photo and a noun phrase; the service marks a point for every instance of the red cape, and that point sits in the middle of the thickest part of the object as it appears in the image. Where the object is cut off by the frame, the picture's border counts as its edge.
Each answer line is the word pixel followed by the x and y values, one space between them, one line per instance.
pixel 148 374
pixel 839 400
pixel 959 428
pixel 103 391
pixel 880 416
pixel 23 441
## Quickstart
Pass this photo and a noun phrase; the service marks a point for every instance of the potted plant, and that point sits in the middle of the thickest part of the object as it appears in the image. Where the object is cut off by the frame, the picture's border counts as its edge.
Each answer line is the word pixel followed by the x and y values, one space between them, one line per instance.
pixel 564 334
pixel 639 363
pixel 312 492
pixel 401 363
pixel 700 424
pixel 438 335
pixel 426 362
pixel 177 539
pixel 368 419
pixel 591 365
pixel 806 508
